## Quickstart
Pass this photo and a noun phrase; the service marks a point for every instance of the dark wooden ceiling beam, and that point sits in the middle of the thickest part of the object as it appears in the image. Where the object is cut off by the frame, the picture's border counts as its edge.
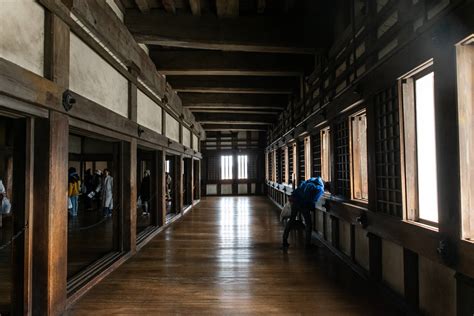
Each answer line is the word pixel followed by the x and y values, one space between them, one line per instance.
pixel 205 63
pixel 195 6
pixel 236 111
pixel 235 127
pixel 247 33
pixel 234 100
pixel 237 84
pixel 230 118
pixel 227 8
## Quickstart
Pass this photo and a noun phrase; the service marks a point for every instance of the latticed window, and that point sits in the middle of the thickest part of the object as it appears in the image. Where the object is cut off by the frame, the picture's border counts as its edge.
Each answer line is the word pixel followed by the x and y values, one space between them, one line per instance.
pixel 316 148
pixel 301 162
pixel 342 159
pixel 242 164
pixel 291 163
pixel 226 167
pixel 387 153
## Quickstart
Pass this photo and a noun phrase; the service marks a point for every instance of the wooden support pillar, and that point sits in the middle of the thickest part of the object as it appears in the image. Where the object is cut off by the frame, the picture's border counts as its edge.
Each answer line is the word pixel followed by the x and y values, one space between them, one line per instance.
pixel 160 178
pixel 128 194
pixel 50 226
pixel 371 155
pixel 180 183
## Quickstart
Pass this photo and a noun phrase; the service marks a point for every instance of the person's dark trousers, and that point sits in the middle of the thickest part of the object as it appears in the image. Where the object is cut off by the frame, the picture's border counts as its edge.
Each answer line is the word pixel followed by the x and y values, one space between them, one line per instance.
pixel 306 213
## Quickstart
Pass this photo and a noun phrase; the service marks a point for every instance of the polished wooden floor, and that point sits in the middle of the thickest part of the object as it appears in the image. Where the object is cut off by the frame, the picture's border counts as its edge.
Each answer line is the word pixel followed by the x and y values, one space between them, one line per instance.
pixel 223 257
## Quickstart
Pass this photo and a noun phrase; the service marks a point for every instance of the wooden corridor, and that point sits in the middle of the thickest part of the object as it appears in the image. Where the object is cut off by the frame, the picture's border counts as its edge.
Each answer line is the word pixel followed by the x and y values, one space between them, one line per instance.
pixel 223 257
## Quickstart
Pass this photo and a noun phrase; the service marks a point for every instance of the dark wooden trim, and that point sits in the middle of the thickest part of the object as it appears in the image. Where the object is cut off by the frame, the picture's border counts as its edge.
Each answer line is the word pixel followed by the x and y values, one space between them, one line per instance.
pixel 128 195
pixel 411 282
pixel 375 257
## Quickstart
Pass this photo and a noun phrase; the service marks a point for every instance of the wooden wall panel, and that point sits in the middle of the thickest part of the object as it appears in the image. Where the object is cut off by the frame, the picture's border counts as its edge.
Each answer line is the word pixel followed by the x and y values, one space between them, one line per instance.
pixel 345 237
pixel 437 288
pixel 392 266
pixel 361 248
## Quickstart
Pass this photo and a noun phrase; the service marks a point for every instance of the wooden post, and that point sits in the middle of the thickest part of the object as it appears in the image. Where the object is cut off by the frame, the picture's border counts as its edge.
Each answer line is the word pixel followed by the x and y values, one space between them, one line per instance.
pixel 50 182
pixel 375 257
pixel 50 226
pixel 128 195
pixel 160 185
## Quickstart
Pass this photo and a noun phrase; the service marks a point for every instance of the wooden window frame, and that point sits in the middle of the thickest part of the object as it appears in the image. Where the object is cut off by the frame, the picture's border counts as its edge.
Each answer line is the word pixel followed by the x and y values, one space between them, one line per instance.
pixel 356 168
pixel 307 157
pixel 408 148
pixel 465 80
pixel 223 177
pixel 286 176
pixel 326 164
pixel 294 176
pixel 274 165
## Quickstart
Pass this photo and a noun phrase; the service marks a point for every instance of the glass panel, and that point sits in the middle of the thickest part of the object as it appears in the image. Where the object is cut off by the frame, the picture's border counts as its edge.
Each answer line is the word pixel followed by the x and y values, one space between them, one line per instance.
pixel 12 211
pixel 426 148
pixel 93 202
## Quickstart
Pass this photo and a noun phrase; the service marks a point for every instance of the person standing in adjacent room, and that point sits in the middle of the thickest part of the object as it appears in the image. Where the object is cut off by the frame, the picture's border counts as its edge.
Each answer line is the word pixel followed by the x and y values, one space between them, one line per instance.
pixel 5 205
pixel 74 189
pixel 168 186
pixel 107 193
pixel 145 192
pixel 303 200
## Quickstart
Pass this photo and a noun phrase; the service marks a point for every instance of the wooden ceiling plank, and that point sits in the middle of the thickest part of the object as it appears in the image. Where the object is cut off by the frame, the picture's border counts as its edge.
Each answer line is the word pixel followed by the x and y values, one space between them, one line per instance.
pixel 261 4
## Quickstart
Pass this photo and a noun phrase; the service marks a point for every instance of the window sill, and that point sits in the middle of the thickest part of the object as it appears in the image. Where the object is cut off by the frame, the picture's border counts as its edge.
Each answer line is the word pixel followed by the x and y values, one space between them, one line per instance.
pixel 422 225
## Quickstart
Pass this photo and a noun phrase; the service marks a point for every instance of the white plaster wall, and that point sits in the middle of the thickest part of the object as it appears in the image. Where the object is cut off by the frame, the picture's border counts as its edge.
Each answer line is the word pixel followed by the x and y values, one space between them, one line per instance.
pixel 392 266
pixel 362 248
pixel 92 77
pixel 345 237
pixel 226 189
pixel 211 189
pixel 22 34
pixel 437 288
pixel 149 114
pixel 186 137
pixel 172 128
pixel 243 188
pixel 195 143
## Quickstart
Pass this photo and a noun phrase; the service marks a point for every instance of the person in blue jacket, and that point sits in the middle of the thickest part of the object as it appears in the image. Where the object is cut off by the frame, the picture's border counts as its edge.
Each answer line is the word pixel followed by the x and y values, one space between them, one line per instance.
pixel 303 200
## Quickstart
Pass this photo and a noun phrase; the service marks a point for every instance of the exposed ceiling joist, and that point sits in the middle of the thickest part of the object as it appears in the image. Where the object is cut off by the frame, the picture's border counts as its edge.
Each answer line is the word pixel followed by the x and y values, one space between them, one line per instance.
pixel 218 63
pixel 238 84
pixel 234 127
pixel 229 118
pixel 229 99
pixel 247 33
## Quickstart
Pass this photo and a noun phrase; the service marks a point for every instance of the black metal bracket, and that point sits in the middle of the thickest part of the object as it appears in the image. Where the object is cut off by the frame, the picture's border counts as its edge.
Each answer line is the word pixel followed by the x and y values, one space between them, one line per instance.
pixel 68 100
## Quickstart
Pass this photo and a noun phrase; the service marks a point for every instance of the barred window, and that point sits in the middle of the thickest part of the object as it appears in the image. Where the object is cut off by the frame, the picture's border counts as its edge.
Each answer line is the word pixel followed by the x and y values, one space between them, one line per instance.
pixel 359 156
